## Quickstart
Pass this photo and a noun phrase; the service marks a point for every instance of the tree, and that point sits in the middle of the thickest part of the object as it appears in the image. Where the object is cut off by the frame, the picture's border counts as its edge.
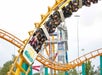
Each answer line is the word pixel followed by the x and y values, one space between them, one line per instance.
pixel 5 68
pixel 89 68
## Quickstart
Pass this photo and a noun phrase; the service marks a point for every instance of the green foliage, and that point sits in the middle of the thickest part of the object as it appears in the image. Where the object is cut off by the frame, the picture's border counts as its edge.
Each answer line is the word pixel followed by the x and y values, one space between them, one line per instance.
pixel 5 68
pixel 61 73
pixel 89 68
pixel 73 72
pixel 37 74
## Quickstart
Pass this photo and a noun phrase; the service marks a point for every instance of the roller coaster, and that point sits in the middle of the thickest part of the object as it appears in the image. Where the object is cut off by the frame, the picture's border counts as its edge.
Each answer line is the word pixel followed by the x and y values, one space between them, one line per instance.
pixel 54 17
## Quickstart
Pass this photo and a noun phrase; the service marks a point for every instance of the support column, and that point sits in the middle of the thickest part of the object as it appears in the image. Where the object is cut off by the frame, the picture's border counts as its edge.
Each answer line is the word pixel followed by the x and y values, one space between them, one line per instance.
pixel 46 71
pixel 41 70
pixel 25 67
pixel 83 69
pixel 66 72
pixel 30 73
pixel 100 65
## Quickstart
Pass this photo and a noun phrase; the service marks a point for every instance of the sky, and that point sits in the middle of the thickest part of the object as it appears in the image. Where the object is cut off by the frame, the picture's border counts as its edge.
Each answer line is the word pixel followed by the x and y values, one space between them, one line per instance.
pixel 18 17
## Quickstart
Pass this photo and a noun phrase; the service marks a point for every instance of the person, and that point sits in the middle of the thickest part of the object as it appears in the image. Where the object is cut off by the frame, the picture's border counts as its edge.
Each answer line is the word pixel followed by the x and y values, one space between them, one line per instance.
pixel 43 39
pixel 39 37
pixel 38 47
pixel 70 6
pixel 33 42
pixel 75 6
pixel 52 30
pixel 56 18
pixel 56 13
pixel 66 12
pixel 50 26
pixel 87 3
pixel 94 1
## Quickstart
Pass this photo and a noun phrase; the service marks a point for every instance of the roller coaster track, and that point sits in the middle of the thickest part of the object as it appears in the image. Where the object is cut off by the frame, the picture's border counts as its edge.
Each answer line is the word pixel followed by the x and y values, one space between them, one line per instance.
pixel 59 4
pixel 54 65
pixel 11 38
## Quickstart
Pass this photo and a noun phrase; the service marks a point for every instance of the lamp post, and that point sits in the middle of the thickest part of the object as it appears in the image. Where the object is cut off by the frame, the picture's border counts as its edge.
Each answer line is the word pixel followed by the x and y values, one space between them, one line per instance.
pixel 77 16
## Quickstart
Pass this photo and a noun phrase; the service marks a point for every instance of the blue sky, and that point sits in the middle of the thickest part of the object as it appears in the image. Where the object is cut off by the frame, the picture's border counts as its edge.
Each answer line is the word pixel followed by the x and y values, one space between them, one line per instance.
pixel 18 17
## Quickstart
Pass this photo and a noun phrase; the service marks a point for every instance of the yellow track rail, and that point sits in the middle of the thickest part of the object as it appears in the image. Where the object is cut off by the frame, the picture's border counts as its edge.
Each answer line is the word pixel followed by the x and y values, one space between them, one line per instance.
pixel 11 38
pixel 54 65
pixel 50 9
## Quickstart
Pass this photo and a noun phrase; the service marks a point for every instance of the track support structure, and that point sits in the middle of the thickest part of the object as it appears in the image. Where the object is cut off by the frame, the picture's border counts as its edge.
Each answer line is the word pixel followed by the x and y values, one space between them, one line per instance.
pixel 100 65
pixel 46 71
pixel 25 66
pixel 83 69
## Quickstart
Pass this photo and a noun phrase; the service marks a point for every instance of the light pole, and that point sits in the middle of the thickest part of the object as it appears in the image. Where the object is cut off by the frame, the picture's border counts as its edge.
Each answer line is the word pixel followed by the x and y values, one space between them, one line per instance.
pixel 77 16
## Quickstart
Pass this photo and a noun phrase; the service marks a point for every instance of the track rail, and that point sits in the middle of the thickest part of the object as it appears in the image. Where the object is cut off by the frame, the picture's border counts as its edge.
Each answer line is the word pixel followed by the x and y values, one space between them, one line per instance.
pixel 47 62
pixel 11 38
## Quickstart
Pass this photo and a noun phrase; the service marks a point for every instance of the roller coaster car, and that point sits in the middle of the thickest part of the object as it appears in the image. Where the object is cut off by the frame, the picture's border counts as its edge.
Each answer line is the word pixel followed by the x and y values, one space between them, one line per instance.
pixel 38 39
pixel 39 36
pixel 53 21
pixel 50 26
pixel 66 11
